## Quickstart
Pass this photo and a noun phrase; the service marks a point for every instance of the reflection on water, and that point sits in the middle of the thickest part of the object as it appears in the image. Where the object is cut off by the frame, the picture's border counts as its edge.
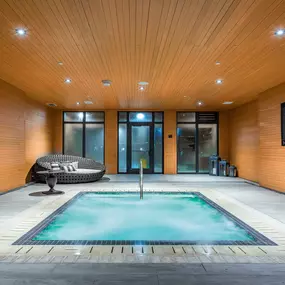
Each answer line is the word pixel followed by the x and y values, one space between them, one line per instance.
pixel 157 217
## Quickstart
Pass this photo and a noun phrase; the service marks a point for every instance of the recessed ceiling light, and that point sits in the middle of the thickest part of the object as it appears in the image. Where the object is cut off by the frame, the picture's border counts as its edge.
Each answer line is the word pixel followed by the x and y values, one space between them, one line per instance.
pixel 60 63
pixel 80 115
pixel 228 102
pixel 143 83
pixel 87 102
pixel 77 103
pixel 200 103
pixel 51 104
pixel 140 116
pixel 219 81
pixel 21 32
pixel 218 63
pixel 141 88
pixel 67 80
pixel 280 32
pixel 106 82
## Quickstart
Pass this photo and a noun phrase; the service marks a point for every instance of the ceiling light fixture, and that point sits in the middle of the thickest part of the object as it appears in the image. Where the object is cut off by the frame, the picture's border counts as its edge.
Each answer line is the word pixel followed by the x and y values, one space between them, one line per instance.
pixel 219 81
pixel 106 82
pixel 200 103
pixel 280 32
pixel 87 102
pixel 67 80
pixel 144 83
pixel 77 103
pixel 141 88
pixel 60 63
pixel 80 115
pixel 228 102
pixel 140 116
pixel 51 104
pixel 218 63
pixel 21 32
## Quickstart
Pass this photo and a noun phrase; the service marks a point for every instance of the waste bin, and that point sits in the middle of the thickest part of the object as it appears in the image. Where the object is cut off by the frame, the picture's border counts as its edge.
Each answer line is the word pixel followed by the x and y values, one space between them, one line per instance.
pixel 224 168
pixel 214 165
pixel 233 171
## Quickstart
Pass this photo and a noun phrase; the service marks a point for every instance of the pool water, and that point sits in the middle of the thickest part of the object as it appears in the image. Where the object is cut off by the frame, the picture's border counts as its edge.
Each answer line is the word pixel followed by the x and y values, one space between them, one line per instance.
pixel 158 217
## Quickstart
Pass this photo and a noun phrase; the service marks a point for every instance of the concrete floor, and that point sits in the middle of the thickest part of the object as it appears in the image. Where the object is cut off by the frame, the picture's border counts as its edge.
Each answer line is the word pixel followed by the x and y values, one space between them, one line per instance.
pixel 266 201
pixel 141 274
pixel 263 200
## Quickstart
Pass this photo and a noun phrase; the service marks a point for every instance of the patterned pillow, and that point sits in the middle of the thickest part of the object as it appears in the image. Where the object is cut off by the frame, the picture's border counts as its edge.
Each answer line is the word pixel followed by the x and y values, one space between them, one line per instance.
pixel 67 167
pixel 75 164
pixel 55 166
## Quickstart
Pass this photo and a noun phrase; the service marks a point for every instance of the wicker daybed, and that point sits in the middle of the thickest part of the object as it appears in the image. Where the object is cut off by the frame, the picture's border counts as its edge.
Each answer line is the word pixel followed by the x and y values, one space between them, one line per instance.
pixel 88 169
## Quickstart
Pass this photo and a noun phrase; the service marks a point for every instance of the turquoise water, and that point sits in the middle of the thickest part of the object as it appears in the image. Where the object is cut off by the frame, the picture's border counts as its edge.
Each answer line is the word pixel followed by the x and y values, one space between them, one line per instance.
pixel 157 217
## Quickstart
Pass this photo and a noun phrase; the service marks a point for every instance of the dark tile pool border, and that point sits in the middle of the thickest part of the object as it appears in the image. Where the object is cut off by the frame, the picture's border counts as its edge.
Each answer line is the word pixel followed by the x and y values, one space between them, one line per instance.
pixel 27 239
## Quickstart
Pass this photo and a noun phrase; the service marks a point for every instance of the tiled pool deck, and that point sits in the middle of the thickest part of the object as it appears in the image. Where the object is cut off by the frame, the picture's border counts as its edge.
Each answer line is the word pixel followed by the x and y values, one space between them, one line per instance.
pixel 261 209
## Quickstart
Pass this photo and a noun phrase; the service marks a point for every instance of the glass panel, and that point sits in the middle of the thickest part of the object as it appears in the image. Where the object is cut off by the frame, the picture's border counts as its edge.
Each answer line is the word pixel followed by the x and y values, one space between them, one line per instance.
pixel 140 146
pixel 94 142
pixel 186 148
pixel 73 116
pixel 140 117
pixel 73 139
pixel 158 117
pixel 186 117
pixel 94 116
pixel 122 116
pixel 122 147
pixel 207 145
pixel 158 148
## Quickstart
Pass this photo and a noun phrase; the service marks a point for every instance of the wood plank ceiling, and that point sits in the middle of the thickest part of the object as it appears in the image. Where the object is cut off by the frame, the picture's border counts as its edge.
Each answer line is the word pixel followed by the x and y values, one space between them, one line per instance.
pixel 172 44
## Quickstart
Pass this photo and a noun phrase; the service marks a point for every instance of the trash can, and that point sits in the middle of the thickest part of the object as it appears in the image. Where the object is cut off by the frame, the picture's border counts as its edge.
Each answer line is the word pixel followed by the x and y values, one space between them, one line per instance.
pixel 233 171
pixel 224 168
pixel 214 165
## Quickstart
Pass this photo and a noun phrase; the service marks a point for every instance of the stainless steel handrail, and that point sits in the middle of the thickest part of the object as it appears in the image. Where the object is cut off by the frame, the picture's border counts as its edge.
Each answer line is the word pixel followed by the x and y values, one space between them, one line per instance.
pixel 141 179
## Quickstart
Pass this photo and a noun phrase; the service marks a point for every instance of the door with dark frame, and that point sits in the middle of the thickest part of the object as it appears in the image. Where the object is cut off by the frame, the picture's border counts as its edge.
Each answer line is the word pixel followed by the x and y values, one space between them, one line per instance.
pixel 140 138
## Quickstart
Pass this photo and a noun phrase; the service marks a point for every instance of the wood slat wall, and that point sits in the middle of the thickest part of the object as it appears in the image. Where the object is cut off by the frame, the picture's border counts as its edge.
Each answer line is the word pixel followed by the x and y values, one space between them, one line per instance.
pixel 272 154
pixel 255 139
pixel 58 131
pixel 224 135
pixel 170 144
pixel 244 140
pixel 25 134
pixel 111 141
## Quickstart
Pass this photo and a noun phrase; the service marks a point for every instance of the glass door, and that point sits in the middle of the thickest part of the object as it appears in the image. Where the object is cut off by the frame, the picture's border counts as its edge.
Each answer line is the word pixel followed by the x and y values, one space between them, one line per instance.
pixel 141 141
pixel 140 136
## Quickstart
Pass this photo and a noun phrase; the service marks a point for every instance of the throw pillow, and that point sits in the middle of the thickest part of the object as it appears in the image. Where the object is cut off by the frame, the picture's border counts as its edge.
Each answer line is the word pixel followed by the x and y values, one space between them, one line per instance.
pixel 70 168
pixel 67 167
pixel 55 166
pixel 75 164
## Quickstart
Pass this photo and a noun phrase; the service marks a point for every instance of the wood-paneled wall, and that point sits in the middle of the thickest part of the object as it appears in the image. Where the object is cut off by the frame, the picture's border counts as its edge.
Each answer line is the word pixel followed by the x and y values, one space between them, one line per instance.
pixel 255 139
pixel 25 134
pixel 244 140
pixel 111 141
pixel 272 154
pixel 58 131
pixel 224 135
pixel 170 148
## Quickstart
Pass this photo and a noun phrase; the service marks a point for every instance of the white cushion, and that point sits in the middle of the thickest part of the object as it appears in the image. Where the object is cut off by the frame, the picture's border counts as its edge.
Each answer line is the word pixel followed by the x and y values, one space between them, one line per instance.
pixel 83 171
